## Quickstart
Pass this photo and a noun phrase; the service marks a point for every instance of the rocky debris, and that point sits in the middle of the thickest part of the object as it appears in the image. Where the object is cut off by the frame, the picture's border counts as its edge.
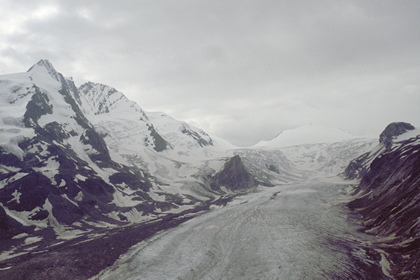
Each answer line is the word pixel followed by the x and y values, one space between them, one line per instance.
pixel 85 256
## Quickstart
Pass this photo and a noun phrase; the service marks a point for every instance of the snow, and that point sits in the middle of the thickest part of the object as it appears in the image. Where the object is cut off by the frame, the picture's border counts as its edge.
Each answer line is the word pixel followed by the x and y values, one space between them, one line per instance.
pixel 52 221
pixel 79 196
pixel 15 92
pixel 81 177
pixel 70 233
pixel 50 169
pixel 407 135
pixel 99 99
pixel 16 196
pixel 308 134
pixel 385 264
pixel 22 235
pixel 13 178
pixel 23 217
pixel 10 254
pixel 31 240
pixel 124 200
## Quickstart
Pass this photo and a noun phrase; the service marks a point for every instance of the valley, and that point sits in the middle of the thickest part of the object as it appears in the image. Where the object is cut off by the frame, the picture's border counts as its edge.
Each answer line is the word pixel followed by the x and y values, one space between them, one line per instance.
pixel 291 231
pixel 93 186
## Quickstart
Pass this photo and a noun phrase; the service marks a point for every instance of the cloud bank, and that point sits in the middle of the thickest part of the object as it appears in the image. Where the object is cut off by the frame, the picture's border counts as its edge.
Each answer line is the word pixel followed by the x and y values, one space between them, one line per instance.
pixel 242 70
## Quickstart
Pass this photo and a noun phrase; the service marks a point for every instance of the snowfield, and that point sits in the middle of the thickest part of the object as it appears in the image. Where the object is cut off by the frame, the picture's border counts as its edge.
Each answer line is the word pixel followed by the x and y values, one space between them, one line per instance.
pixel 291 231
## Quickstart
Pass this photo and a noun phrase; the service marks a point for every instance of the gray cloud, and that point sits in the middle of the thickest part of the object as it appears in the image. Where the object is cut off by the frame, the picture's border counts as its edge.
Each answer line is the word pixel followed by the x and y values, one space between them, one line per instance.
pixel 244 70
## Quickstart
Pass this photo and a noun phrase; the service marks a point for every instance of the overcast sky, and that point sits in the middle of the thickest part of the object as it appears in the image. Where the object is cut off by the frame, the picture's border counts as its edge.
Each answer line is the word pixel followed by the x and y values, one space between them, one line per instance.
pixel 242 70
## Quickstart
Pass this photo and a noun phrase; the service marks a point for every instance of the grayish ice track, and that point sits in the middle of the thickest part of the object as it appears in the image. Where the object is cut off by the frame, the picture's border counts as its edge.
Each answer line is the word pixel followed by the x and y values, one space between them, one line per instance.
pixel 298 231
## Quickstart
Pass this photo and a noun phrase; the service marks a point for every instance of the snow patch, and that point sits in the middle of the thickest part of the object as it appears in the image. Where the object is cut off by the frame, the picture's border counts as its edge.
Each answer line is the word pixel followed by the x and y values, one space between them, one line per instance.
pixel 16 196
pixel 31 240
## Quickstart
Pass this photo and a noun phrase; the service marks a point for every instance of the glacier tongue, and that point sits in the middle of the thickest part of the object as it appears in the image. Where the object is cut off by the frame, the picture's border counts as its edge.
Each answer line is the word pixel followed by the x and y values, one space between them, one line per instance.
pixel 284 232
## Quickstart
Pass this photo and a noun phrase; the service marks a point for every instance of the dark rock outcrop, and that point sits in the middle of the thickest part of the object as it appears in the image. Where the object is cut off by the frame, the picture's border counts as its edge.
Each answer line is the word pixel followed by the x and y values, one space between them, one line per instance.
pixel 233 176
pixel 8 226
pixel 159 143
pixel 359 166
pixel 393 130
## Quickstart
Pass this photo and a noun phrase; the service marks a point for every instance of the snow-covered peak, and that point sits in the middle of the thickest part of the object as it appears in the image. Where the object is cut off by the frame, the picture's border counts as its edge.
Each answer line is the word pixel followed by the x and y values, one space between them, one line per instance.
pixel 308 134
pixel 179 131
pixel 45 65
pixel 103 99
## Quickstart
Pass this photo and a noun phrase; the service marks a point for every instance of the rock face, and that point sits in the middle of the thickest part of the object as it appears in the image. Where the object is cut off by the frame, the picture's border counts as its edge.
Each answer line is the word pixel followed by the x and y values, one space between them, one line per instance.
pixel 359 166
pixel 393 130
pixel 389 202
pixel 233 176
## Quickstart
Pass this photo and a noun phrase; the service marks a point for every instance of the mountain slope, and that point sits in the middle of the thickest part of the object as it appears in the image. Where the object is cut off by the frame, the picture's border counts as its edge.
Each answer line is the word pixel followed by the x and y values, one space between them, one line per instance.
pixel 75 159
pixel 62 174
pixel 388 198
pixel 108 104
pixel 56 169
pixel 392 134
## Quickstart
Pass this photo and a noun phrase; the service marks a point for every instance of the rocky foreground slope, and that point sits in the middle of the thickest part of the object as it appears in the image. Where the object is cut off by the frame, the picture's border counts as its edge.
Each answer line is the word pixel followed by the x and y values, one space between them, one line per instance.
pixel 388 198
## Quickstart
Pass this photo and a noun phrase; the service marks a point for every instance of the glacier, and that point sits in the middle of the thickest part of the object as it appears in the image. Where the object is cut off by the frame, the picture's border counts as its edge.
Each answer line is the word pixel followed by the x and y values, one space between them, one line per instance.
pixel 290 231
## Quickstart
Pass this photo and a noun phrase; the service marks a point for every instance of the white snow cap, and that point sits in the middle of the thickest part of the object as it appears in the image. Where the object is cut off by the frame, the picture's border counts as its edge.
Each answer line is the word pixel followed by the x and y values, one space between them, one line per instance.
pixel 46 66
pixel 307 134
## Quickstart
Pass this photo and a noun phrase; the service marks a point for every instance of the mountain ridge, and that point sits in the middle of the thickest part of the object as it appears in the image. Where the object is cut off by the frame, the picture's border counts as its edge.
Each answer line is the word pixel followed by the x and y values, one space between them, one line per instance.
pixel 388 198
pixel 306 135
pixel 79 162
pixel 61 167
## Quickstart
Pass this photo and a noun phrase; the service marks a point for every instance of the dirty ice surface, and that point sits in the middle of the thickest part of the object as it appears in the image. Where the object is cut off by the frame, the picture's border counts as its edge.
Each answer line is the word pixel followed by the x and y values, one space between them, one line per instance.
pixel 294 231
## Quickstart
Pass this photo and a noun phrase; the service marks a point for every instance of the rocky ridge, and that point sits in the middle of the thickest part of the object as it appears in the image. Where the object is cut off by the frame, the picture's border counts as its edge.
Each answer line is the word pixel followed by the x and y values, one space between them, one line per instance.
pixel 388 199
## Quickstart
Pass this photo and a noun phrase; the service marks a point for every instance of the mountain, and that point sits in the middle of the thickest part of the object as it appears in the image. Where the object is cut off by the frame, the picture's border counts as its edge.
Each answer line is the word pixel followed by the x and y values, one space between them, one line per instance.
pixel 86 164
pixel 316 150
pixel 105 105
pixel 391 136
pixel 388 198
pixel 75 159
pixel 53 159
pixel 306 135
